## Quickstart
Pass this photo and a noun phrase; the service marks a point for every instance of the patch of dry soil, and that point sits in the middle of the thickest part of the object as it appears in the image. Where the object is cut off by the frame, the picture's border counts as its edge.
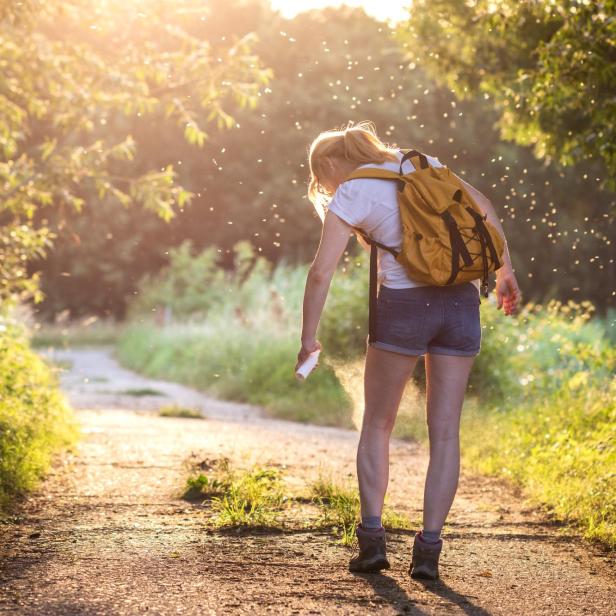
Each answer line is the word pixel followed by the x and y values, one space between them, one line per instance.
pixel 108 534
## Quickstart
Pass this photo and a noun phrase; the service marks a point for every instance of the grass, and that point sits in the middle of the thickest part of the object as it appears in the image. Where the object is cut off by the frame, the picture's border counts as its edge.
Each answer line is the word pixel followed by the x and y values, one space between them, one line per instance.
pixel 339 506
pixel 561 449
pixel 86 332
pixel 232 362
pixel 544 368
pixel 340 509
pixel 257 497
pixel 175 410
pixel 35 419
pixel 250 498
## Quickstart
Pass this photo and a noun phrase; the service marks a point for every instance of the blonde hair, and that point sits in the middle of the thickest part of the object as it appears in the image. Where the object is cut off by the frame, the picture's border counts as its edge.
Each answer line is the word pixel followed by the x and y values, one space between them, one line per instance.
pixel 357 143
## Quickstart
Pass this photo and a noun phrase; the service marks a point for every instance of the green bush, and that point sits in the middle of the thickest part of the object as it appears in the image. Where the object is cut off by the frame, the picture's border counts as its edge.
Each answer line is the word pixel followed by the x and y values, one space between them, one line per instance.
pixel 344 326
pixel 35 420
pixel 539 350
pixel 188 285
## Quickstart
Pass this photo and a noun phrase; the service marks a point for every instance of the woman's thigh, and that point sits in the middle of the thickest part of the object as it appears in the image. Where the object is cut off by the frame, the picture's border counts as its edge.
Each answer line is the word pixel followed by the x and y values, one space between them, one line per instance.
pixel 385 378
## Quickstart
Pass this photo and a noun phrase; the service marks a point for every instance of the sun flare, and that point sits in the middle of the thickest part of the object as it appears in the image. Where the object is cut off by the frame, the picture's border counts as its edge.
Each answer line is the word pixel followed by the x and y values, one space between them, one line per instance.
pixel 386 10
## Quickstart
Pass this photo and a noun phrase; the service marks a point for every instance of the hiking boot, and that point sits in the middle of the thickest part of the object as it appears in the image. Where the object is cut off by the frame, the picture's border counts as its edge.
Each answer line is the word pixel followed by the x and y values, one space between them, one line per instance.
pixel 424 564
pixel 372 551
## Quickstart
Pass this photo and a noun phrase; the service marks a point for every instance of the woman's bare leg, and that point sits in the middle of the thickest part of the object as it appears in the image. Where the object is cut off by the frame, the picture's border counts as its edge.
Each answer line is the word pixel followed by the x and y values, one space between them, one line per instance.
pixel 385 378
pixel 447 377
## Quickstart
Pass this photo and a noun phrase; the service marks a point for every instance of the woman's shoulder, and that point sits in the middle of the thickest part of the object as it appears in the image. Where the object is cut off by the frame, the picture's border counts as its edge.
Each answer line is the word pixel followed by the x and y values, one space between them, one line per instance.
pixel 355 199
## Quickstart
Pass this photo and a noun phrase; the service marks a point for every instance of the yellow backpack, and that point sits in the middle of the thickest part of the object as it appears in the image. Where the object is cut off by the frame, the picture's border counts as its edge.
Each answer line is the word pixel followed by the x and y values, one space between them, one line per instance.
pixel 446 238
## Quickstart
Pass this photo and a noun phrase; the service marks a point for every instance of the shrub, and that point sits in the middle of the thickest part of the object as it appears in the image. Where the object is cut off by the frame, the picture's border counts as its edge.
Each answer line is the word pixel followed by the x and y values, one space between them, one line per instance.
pixel 35 420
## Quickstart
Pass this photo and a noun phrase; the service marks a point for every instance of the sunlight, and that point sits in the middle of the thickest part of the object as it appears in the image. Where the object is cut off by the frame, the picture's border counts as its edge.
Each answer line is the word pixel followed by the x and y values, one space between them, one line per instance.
pixel 381 9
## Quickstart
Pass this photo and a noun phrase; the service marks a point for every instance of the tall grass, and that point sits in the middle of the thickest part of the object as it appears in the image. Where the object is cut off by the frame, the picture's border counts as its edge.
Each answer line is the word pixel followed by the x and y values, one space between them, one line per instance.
pixel 35 420
pixel 236 363
pixel 540 394
pixel 561 448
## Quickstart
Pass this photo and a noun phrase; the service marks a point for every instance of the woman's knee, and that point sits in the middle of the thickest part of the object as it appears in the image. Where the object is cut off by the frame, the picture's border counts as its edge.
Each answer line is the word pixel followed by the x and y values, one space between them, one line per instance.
pixel 378 420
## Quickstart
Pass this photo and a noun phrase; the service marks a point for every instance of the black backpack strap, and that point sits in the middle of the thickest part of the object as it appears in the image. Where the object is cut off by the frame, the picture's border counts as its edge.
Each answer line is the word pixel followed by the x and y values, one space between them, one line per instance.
pixel 372 302
pixel 486 245
pixel 372 242
pixel 408 154
pixel 458 247
pixel 372 294
pixel 482 229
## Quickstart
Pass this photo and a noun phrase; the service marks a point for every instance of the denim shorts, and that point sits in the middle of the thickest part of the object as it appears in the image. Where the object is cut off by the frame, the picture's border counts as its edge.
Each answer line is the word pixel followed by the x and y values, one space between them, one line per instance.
pixel 429 319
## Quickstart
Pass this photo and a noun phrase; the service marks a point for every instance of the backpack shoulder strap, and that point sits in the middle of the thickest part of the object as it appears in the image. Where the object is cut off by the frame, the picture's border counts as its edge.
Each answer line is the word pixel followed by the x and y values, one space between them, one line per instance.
pixel 373 173
pixel 385 174
pixel 409 154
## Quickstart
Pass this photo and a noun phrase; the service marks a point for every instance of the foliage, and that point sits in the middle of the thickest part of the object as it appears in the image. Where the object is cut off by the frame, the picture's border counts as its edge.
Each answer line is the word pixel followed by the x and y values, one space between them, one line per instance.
pixel 189 285
pixel 343 327
pixel 77 80
pixel 559 447
pixel 238 363
pixel 253 497
pixel 249 183
pixel 548 68
pixel 35 420
pixel 546 411
pixel 236 336
pixel 339 506
pixel 540 350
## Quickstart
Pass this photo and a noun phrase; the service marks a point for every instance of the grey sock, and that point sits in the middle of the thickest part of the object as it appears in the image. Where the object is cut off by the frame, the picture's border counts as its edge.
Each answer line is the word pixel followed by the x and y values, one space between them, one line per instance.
pixel 431 536
pixel 371 522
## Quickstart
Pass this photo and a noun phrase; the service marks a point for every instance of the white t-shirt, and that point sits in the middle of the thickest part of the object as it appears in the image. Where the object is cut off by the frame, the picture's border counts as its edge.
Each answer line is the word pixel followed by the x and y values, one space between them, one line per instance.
pixel 372 205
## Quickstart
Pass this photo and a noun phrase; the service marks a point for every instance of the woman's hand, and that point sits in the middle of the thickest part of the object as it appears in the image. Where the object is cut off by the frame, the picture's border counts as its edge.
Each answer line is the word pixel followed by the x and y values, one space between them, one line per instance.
pixel 508 293
pixel 308 346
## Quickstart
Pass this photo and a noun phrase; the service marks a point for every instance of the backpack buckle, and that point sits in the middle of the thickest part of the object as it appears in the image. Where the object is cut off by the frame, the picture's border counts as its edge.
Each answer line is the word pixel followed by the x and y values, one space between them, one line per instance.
pixel 484 288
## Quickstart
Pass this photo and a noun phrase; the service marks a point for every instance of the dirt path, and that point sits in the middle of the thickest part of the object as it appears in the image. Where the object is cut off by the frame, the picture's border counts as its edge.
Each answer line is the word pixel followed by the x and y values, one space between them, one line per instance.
pixel 107 533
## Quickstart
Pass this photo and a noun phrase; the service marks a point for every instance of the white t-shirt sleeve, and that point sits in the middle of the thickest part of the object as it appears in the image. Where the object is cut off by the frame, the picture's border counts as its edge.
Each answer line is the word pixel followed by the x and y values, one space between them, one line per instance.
pixel 349 204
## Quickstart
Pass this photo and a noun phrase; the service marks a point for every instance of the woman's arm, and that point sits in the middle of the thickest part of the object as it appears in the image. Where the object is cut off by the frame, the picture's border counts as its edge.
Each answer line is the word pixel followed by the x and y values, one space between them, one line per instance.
pixel 507 290
pixel 334 239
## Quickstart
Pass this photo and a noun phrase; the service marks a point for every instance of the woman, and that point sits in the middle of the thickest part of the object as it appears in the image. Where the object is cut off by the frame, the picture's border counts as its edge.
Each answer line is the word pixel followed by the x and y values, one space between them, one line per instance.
pixel 413 319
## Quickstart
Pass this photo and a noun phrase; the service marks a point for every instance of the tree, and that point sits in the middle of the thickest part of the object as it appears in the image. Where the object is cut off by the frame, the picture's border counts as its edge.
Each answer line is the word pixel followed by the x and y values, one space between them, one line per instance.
pixel 249 182
pixel 74 74
pixel 548 67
